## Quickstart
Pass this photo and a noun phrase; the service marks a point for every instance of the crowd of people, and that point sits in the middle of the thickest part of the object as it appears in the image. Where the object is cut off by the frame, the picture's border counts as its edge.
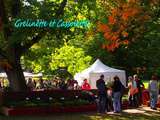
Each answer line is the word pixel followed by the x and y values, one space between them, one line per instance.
pixel 110 98
pixel 105 95
pixel 136 87
pixel 57 83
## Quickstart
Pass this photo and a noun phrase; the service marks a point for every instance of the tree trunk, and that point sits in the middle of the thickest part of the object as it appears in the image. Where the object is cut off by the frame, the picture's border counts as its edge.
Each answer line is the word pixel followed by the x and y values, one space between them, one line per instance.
pixel 15 74
pixel 16 78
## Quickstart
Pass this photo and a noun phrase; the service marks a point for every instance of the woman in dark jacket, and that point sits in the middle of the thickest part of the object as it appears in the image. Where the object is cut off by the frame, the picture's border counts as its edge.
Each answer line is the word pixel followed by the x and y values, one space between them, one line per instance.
pixel 102 94
pixel 117 88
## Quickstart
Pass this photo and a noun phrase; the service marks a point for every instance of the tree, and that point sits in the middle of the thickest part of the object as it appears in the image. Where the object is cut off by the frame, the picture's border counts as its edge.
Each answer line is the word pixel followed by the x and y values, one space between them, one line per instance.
pixel 71 57
pixel 126 24
pixel 137 43
pixel 15 42
pixel 38 57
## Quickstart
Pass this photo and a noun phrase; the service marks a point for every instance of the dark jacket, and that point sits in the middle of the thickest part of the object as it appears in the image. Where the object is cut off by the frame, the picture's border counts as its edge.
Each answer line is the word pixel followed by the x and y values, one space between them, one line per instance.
pixel 100 84
pixel 117 86
pixel 139 84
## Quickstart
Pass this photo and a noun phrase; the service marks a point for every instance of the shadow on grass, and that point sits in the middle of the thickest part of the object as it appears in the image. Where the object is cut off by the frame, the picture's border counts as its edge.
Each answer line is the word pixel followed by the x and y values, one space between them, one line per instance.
pixel 131 114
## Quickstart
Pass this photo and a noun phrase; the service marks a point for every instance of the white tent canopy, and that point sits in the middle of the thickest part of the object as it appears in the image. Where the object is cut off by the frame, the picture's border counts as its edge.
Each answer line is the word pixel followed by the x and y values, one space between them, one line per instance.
pixel 26 74
pixel 93 73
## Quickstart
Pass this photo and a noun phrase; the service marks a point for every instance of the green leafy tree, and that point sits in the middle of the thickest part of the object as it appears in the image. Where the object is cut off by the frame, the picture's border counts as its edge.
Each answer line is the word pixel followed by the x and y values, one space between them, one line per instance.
pixel 38 57
pixel 16 42
pixel 71 57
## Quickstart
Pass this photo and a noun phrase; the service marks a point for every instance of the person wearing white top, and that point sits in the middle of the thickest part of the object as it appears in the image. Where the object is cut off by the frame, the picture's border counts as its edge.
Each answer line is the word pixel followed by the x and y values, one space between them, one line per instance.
pixel 153 91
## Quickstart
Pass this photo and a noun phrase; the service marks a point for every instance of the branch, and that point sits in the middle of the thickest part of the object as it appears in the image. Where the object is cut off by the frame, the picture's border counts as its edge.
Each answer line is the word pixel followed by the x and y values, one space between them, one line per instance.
pixel 16 6
pixel 37 38
pixel 60 10
pixel 15 9
pixel 4 19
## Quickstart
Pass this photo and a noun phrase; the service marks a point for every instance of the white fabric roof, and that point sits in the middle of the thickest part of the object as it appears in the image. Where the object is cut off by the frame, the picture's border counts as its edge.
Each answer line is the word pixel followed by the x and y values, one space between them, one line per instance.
pixel 26 74
pixel 93 72
pixel 99 67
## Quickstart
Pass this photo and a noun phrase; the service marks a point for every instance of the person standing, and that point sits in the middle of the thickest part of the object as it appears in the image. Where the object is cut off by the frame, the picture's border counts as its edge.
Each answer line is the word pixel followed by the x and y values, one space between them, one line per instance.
pixel 140 85
pixel 117 88
pixel 133 90
pixel 109 103
pixel 40 84
pixel 85 85
pixel 30 84
pixel 153 91
pixel 102 94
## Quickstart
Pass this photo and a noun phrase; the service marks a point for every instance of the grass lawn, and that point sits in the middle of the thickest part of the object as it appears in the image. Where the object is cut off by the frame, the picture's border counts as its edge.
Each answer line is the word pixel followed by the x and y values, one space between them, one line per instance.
pixel 132 114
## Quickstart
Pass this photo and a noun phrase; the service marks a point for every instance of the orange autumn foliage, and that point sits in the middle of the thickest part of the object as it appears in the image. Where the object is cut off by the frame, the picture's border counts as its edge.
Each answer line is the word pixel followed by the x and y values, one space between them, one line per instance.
pixel 125 42
pixel 124 34
pixel 114 38
pixel 125 16
pixel 117 30
pixel 107 35
pixel 133 1
pixel 111 47
pixel 154 2
pixel 114 11
pixel 112 20
pixel 103 27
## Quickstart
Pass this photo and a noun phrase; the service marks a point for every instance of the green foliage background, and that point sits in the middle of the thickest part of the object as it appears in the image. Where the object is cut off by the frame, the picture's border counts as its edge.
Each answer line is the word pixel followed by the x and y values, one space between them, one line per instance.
pixel 76 50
